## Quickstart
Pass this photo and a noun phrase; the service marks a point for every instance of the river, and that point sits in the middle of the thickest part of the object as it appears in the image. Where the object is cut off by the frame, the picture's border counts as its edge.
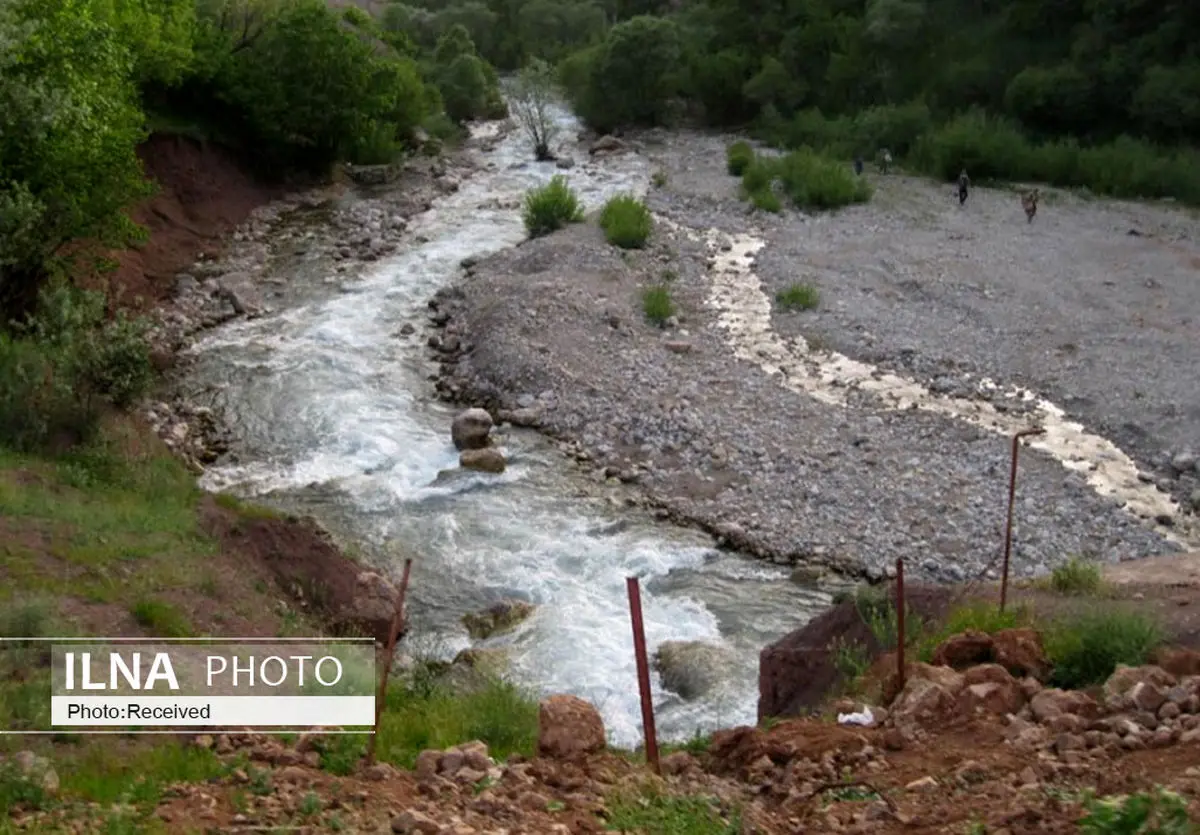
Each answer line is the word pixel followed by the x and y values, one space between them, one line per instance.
pixel 336 418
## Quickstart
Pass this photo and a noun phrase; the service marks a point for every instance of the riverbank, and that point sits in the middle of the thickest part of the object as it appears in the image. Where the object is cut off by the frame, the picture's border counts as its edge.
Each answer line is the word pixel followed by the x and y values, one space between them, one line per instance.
pixel 817 470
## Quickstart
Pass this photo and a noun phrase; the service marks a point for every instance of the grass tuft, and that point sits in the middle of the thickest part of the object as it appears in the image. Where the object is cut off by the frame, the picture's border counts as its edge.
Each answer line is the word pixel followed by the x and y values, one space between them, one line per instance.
pixel 1077 577
pixel 656 812
pixel 551 207
pixel 657 304
pixel 738 157
pixel 1085 650
pixel 799 297
pixel 626 222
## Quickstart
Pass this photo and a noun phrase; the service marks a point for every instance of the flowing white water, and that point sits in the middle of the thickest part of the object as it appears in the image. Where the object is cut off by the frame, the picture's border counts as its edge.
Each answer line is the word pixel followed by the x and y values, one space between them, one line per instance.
pixel 744 312
pixel 336 416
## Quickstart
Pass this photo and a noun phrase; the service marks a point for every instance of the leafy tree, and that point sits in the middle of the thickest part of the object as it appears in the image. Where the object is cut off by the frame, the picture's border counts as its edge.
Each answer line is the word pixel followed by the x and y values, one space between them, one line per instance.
pixel 551 29
pixel 533 100
pixel 631 77
pixel 69 124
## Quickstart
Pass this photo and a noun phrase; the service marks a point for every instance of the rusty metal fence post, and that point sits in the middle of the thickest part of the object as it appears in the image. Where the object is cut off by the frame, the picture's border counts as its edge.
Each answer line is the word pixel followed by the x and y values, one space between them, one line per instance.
pixel 1012 497
pixel 390 650
pixel 900 624
pixel 643 671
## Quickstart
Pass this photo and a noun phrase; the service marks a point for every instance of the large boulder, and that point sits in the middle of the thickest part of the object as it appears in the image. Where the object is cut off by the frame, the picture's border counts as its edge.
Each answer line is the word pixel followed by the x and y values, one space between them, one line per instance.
pixel 568 727
pixel 1017 650
pixel 691 668
pixel 497 618
pixel 470 429
pixel 373 607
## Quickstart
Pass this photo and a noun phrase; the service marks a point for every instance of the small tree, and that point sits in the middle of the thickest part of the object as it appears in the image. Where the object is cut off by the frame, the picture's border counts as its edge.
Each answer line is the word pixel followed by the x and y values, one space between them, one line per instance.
pixel 532 100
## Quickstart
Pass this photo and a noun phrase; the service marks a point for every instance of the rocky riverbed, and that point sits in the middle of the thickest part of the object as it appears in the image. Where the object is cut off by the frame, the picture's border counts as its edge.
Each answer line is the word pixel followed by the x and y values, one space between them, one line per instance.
pixel 770 443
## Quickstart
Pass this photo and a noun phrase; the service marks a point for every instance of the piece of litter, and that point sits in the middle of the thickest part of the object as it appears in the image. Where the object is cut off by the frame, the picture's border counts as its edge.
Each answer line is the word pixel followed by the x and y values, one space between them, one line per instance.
pixel 864 717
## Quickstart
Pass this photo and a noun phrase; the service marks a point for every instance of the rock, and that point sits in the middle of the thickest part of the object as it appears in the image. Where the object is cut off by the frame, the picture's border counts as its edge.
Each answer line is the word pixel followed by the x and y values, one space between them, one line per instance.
pixel 470 429
pixel 568 727
pixel 488 460
pixel 528 416
pixel 922 703
pixel 1017 650
pixel 498 618
pixel 373 175
pixel 37 770
pixel 411 821
pixel 374 606
pixel 1142 687
pixel 679 762
pixel 1054 702
pixel 1178 661
pixel 426 766
pixel 690 668
pixel 606 144
pixel 990 688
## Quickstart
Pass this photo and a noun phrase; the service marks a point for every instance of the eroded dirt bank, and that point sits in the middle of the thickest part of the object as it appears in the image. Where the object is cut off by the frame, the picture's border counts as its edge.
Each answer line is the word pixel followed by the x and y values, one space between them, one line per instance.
pixel 555 334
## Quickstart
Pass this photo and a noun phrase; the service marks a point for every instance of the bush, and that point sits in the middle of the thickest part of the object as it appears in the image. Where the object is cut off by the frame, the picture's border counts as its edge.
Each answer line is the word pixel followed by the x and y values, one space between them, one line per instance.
pixel 1076 576
pixel 61 366
pixel 626 222
pixel 657 305
pixel 1086 650
pixel 1160 812
pixel 551 207
pixel 738 157
pixel 799 297
pixel 767 200
pixel 813 181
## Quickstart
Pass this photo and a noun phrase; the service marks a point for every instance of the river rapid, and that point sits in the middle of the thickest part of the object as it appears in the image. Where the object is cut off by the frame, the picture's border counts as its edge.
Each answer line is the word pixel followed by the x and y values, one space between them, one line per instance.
pixel 335 417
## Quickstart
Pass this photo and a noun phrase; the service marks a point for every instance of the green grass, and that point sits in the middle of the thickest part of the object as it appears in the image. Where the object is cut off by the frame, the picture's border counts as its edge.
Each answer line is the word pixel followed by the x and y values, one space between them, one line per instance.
pixel 654 813
pixel 976 617
pixel 161 619
pixel 799 297
pixel 659 179
pixel 1077 577
pixel 551 207
pixel 808 179
pixel 1085 649
pixel 657 305
pixel 767 200
pixel 626 222
pixel 421 718
pixel 738 157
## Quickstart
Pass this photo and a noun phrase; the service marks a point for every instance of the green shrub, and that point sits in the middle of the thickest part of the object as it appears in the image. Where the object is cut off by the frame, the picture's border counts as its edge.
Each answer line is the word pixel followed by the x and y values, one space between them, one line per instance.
pixel 799 297
pixel 767 200
pixel 59 367
pixel 812 181
pixel 551 207
pixel 657 305
pixel 1160 812
pixel 977 617
pixel 660 812
pixel 1076 576
pixel 1085 650
pixel 738 157
pixel 163 619
pixel 626 222
pixel 376 144
pixel 760 174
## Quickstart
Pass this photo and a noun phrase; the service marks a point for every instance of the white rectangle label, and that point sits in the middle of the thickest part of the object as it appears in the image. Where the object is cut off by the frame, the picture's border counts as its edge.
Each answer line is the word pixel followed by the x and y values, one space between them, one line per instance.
pixel 213 711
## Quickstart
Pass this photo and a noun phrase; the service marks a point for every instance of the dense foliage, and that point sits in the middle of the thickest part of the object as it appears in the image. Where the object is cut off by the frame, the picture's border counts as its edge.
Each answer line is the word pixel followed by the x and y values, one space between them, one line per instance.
pixel 1103 94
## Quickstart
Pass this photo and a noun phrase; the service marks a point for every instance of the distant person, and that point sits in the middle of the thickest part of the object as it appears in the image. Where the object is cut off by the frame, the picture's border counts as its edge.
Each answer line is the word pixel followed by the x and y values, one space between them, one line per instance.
pixel 1029 202
pixel 885 161
pixel 858 165
pixel 964 185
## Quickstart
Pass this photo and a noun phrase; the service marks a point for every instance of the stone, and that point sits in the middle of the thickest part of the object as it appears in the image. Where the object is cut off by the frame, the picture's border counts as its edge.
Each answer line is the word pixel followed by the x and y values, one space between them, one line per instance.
pixel 1020 651
pixel 410 822
pixel 526 416
pixel 923 702
pixel 488 460
pixel 568 727
pixel 690 669
pixel 606 144
pixel 496 619
pixel 1142 687
pixel 679 762
pixel 470 429
pixel 37 769
pixel 1054 702
pixel 374 605
pixel 990 688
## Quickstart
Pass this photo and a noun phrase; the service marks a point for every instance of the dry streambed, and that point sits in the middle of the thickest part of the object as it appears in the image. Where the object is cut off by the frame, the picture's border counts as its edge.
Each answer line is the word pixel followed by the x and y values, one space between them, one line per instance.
pixel 789 449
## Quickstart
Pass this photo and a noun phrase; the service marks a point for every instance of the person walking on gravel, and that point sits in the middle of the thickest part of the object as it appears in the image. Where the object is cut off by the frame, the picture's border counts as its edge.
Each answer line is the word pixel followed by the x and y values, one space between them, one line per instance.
pixel 964 185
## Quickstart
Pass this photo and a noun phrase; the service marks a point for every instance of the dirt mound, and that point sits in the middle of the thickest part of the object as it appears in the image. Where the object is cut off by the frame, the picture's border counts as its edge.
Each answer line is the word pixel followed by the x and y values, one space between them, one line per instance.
pixel 308 566
pixel 203 193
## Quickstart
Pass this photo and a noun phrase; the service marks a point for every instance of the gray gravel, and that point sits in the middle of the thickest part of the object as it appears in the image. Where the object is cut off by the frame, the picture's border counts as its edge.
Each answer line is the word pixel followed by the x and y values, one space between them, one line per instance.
pixel 554 329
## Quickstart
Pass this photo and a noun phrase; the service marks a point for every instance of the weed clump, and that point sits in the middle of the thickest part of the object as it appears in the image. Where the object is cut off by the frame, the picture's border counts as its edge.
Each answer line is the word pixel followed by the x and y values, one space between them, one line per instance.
pixel 1076 577
pixel 657 304
pixel 738 157
pixel 551 207
pixel 626 222
pixel 1085 650
pixel 799 297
